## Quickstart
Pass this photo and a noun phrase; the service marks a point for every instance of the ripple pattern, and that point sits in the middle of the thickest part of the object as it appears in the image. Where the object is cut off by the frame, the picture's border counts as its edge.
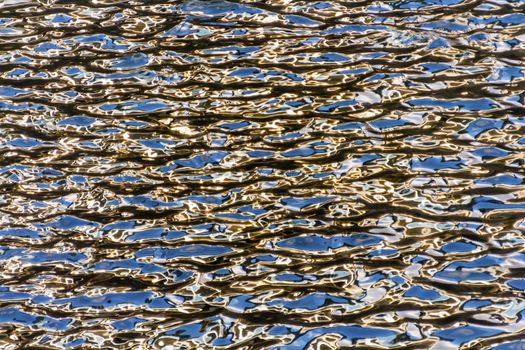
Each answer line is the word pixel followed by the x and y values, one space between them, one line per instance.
pixel 262 174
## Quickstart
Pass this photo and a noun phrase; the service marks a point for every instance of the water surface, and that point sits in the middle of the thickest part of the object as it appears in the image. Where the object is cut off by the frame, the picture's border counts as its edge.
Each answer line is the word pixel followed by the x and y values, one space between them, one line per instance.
pixel 262 174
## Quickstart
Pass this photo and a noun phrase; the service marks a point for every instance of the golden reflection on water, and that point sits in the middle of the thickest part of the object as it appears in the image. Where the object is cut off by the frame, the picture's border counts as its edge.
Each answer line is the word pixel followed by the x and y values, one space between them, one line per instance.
pixel 261 175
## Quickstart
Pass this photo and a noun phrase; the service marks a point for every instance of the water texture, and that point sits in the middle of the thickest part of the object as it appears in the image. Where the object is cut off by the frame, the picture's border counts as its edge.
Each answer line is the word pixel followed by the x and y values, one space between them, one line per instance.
pixel 262 174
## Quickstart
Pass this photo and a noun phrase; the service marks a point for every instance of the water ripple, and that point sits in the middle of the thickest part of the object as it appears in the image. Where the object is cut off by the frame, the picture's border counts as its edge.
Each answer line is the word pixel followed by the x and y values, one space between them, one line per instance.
pixel 262 175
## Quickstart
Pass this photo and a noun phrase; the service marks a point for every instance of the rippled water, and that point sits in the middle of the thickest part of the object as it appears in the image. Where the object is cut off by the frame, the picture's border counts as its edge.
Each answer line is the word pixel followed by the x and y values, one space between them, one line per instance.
pixel 262 174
